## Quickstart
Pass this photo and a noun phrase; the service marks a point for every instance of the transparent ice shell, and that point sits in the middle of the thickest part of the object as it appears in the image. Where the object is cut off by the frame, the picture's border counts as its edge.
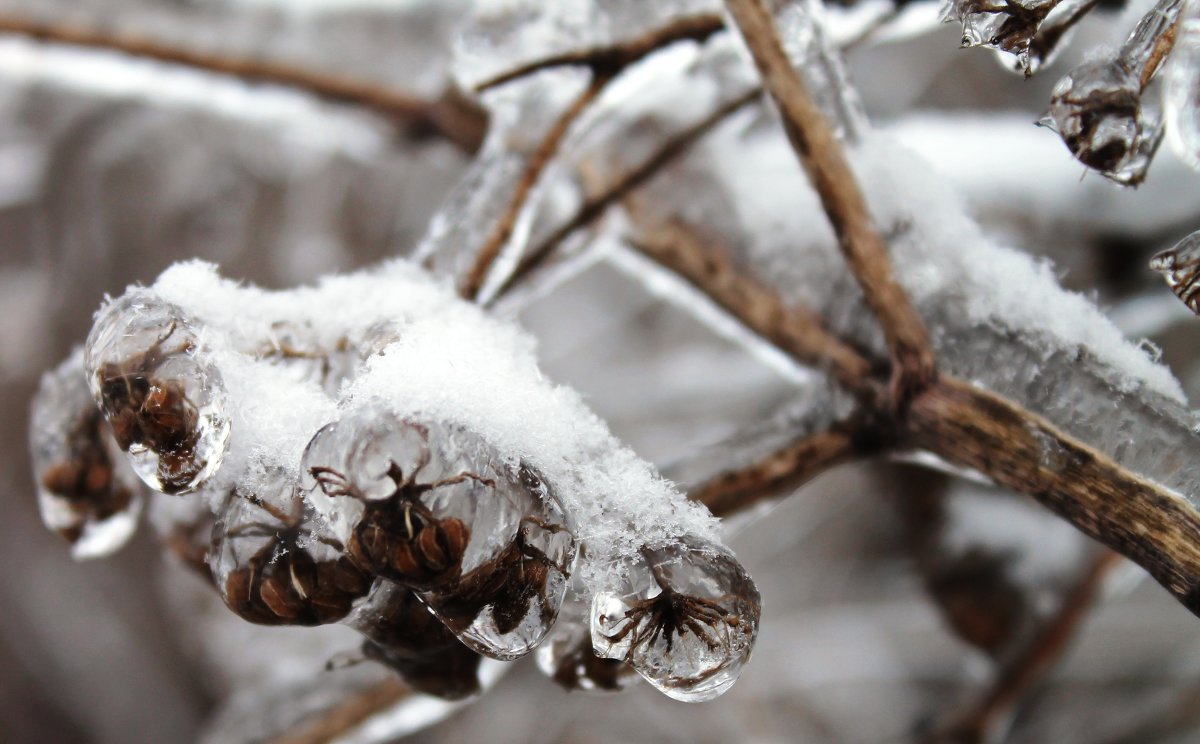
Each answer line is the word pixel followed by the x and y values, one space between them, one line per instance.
pixel 164 401
pixel 86 490
pixel 685 615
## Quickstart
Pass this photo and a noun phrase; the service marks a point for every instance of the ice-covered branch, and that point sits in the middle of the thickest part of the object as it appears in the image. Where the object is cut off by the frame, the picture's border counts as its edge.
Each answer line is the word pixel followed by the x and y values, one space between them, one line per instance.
pixel 451 116
pixel 820 152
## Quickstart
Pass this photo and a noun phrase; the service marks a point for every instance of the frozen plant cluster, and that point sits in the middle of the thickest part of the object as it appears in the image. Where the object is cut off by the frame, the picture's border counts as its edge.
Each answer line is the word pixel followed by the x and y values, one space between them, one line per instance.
pixel 375 451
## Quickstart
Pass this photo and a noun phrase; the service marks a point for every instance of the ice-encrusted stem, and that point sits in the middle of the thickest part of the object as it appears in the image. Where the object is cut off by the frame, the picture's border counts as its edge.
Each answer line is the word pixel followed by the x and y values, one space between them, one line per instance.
pixel 608 60
pixel 450 117
pixel 820 152
pixel 985 717
pixel 595 206
pixel 347 715
pixel 971 428
pixel 536 165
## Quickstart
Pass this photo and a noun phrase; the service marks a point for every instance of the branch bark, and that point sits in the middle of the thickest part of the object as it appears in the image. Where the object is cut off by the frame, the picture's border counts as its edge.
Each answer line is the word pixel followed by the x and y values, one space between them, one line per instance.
pixel 450 117
pixel 820 153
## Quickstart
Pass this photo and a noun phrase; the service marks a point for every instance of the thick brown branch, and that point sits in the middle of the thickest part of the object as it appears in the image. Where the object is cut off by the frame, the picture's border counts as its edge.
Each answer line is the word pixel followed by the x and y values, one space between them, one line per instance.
pixel 537 163
pixel 598 204
pixel 972 428
pixel 609 60
pixel 982 720
pixel 450 117
pixel 865 250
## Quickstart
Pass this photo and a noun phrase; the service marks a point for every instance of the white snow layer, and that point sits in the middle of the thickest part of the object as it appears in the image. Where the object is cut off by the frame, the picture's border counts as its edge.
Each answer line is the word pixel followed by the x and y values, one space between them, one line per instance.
pixel 452 363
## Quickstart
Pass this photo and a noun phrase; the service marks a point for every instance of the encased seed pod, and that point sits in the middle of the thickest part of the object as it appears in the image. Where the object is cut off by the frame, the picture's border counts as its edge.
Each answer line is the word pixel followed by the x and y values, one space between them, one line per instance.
pixel 401 633
pixel 1097 110
pixel 435 508
pixel 165 404
pixel 685 615
pixel 86 491
pixel 505 607
pixel 274 564
pixel 1180 267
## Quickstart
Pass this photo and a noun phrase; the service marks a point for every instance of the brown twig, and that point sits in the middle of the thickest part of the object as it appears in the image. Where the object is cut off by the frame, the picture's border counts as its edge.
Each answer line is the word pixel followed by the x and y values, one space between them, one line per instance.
pixel 541 157
pixel 820 152
pixel 781 472
pixel 993 710
pixel 598 204
pixel 609 60
pixel 349 713
pixel 450 117
pixel 794 329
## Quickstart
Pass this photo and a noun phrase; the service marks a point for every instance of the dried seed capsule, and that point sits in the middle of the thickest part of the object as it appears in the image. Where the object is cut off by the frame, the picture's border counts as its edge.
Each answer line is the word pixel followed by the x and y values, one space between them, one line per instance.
pixel 274 564
pixel 1097 110
pixel 401 633
pixel 1180 266
pixel 409 496
pixel 86 491
pixel 505 607
pixel 165 405
pixel 685 615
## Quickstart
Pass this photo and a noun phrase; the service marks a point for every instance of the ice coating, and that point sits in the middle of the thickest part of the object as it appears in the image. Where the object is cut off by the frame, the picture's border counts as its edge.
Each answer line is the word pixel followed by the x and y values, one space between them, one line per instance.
pixel 274 564
pixel 1180 267
pixel 1181 94
pixel 684 615
pixel 87 492
pixel 451 364
pixel 163 398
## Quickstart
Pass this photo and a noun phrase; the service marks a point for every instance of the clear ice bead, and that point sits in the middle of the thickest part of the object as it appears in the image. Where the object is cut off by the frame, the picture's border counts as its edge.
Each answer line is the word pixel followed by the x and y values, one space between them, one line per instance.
pixel 506 607
pixel 435 508
pixel 86 490
pixel 1097 110
pixel 401 633
pixel 296 348
pixel 567 657
pixel 165 404
pixel 685 615
pixel 275 564
pixel 1181 94
pixel 1180 267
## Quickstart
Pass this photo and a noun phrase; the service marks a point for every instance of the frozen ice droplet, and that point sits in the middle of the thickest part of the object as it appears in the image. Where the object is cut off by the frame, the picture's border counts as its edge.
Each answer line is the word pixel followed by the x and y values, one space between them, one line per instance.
pixel 401 633
pixel 1097 110
pixel 507 605
pixel 685 615
pixel 1180 266
pixel 275 564
pixel 165 404
pixel 1181 94
pixel 86 491
pixel 567 656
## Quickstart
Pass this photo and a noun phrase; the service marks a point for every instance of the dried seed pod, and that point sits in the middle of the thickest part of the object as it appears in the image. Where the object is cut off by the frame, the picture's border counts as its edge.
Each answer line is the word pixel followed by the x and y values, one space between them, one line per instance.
pixel 436 509
pixel 296 348
pixel 1180 266
pixel 684 615
pixel 165 405
pixel 1006 25
pixel 274 564
pixel 86 491
pixel 505 607
pixel 1097 110
pixel 402 633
